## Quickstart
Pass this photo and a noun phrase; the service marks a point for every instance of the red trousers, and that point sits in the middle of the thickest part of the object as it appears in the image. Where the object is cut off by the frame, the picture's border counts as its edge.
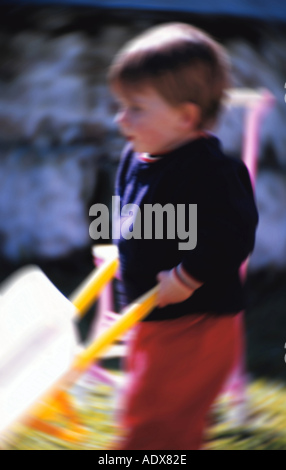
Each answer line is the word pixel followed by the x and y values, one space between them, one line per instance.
pixel 176 370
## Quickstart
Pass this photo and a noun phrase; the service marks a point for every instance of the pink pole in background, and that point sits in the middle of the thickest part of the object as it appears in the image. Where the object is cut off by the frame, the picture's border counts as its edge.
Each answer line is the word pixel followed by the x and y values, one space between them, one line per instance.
pixel 256 110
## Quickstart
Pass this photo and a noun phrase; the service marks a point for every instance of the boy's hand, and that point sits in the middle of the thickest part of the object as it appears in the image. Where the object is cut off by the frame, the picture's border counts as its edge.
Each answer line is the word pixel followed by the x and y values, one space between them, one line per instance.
pixel 172 289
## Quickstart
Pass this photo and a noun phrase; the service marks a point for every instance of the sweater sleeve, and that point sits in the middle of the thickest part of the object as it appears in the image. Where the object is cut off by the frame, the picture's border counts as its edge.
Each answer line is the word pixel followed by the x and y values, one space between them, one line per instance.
pixel 226 224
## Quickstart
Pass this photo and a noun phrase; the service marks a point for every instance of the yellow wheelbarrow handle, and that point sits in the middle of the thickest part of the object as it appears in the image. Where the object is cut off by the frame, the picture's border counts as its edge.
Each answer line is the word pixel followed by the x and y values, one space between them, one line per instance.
pixel 129 318
pixel 132 315
pixel 86 294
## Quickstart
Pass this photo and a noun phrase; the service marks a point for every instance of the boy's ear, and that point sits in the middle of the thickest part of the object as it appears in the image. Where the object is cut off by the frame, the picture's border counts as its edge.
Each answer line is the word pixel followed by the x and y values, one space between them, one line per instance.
pixel 191 116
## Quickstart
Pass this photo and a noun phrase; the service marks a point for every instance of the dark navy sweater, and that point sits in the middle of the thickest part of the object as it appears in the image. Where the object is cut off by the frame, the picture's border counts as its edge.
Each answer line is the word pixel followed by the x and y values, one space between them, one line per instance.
pixel 196 173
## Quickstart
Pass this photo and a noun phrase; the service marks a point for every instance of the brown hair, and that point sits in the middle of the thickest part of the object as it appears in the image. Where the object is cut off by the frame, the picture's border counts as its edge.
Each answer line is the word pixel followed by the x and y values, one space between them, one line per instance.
pixel 181 62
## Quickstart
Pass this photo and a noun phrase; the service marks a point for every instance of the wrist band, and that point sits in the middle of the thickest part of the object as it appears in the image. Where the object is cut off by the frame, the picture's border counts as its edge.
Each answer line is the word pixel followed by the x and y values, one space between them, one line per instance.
pixel 180 281
pixel 187 279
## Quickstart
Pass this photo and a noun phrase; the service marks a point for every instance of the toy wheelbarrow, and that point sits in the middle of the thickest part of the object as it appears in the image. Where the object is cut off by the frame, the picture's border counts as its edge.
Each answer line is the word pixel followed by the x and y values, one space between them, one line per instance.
pixel 39 353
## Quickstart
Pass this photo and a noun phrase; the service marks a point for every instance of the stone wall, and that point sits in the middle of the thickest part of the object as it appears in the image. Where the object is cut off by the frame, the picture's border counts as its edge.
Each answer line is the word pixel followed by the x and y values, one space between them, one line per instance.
pixel 59 146
pixel 57 132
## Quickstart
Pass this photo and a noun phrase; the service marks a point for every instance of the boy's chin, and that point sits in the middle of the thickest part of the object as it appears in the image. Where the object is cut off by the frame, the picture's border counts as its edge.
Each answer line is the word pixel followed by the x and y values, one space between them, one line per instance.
pixel 143 149
pixel 139 148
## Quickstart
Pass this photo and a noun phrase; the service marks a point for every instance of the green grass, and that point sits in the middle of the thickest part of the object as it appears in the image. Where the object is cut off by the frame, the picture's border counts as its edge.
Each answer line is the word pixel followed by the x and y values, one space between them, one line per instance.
pixel 263 426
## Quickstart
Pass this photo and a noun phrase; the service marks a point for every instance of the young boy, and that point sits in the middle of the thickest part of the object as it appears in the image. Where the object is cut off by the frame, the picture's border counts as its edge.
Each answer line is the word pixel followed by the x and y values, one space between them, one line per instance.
pixel 169 83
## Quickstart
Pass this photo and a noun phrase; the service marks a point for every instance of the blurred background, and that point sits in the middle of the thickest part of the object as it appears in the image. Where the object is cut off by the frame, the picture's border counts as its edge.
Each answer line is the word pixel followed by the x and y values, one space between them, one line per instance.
pixel 60 148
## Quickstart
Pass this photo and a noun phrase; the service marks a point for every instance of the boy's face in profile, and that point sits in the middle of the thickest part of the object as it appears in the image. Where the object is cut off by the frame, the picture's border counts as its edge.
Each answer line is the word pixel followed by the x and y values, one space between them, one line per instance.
pixel 152 125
